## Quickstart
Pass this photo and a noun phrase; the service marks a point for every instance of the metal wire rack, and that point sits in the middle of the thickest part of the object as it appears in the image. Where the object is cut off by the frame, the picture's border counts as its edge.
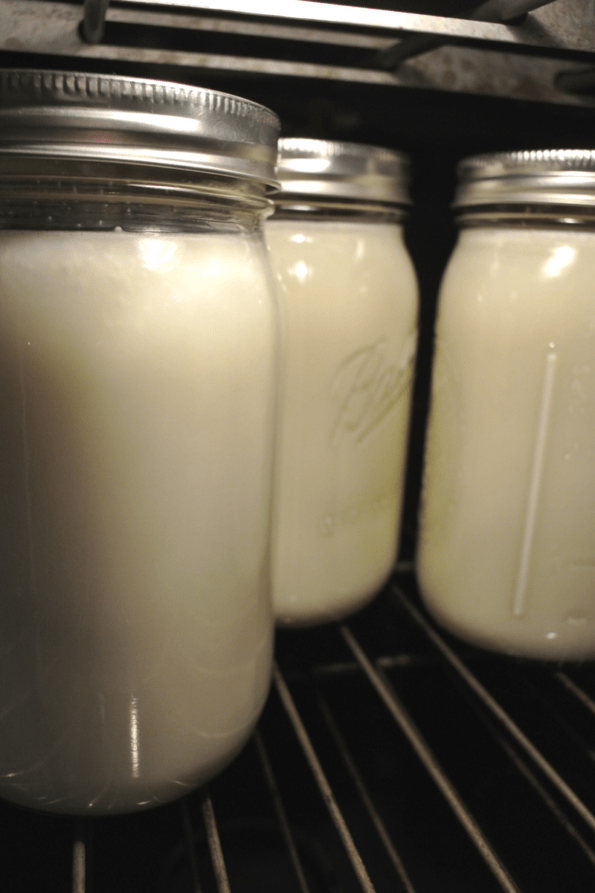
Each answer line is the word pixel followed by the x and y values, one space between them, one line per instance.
pixel 389 758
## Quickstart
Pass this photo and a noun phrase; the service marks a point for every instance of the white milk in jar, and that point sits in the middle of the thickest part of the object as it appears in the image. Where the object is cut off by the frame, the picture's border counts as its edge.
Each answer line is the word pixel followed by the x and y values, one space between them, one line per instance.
pixel 348 294
pixel 506 554
pixel 137 391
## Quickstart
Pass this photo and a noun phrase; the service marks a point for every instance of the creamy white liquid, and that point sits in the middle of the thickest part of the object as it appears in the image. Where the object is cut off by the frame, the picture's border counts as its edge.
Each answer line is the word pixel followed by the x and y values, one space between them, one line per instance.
pixel 506 557
pixel 349 299
pixel 136 397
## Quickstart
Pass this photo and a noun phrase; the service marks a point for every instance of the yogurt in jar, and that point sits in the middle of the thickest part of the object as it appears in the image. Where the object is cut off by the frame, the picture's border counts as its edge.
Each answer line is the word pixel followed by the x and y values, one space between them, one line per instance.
pixel 136 394
pixel 348 297
pixel 506 556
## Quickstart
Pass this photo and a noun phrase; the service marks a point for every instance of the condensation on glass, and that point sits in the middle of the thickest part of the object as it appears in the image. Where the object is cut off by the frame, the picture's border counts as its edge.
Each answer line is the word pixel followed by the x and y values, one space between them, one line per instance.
pixel 138 339
pixel 348 295
pixel 506 553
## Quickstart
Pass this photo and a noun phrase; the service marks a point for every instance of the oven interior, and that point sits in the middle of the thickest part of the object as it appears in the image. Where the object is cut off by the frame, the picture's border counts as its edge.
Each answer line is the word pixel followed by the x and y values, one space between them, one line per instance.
pixel 390 756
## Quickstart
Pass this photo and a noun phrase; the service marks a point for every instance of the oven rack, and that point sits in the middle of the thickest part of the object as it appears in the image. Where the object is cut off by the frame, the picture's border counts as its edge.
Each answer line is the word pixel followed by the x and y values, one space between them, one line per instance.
pixel 389 757
pixel 535 50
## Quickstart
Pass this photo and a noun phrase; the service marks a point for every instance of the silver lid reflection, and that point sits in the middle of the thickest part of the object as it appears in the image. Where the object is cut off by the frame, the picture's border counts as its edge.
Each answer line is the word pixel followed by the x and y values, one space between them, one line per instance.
pixel 537 176
pixel 88 117
pixel 339 170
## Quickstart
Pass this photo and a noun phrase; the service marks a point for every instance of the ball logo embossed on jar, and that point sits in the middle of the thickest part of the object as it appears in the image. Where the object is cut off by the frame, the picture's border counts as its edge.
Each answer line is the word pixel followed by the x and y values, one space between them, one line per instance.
pixel 365 389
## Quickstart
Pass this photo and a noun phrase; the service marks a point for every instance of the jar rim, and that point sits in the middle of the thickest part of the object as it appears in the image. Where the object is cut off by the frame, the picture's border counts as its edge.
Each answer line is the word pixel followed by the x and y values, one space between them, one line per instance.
pixel 534 177
pixel 329 169
pixel 82 117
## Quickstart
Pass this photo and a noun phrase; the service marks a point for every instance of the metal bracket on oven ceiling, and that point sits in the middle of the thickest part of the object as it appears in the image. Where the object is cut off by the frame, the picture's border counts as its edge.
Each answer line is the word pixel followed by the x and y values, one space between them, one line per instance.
pixel 92 26
pixel 505 12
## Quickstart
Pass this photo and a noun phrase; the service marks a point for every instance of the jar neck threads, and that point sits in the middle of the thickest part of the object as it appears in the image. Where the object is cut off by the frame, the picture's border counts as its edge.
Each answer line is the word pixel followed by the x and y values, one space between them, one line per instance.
pixel 300 208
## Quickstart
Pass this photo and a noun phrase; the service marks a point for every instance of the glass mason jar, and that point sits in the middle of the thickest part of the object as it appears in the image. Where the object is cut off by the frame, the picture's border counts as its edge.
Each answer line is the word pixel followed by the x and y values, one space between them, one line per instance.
pixel 138 339
pixel 348 295
pixel 506 553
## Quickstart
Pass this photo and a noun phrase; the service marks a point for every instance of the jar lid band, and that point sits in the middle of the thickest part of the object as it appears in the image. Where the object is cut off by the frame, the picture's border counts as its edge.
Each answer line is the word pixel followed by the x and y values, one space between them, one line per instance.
pixel 532 177
pixel 97 117
pixel 322 169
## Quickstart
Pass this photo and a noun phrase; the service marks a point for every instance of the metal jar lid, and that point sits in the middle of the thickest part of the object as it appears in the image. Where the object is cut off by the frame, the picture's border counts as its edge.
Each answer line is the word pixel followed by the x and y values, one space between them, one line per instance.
pixel 106 118
pixel 321 169
pixel 532 177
